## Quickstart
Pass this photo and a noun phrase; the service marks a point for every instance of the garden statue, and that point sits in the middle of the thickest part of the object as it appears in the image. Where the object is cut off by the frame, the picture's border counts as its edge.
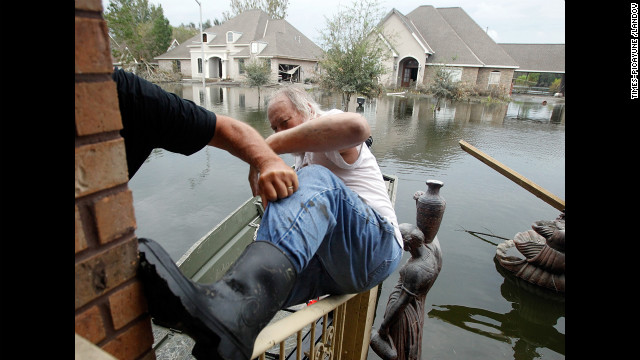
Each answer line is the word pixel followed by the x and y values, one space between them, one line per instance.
pixel 400 333
pixel 543 252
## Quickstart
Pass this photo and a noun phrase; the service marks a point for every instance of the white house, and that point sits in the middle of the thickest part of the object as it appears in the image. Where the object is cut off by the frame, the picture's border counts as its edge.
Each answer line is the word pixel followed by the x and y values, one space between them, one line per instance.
pixel 252 34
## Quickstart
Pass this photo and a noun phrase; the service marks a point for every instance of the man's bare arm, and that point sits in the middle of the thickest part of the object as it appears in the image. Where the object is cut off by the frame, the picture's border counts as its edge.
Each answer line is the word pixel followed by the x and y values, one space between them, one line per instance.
pixel 341 131
pixel 245 143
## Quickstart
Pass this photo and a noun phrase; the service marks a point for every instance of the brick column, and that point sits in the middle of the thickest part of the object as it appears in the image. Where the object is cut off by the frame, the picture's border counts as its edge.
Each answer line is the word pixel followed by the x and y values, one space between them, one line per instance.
pixel 110 307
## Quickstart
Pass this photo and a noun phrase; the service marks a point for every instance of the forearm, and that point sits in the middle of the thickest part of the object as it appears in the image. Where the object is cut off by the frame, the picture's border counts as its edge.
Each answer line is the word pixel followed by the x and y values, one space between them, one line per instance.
pixel 242 141
pixel 326 133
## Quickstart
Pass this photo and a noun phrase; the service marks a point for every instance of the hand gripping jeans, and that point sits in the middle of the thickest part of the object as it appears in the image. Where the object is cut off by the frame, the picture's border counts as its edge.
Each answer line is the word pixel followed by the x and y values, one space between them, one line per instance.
pixel 336 242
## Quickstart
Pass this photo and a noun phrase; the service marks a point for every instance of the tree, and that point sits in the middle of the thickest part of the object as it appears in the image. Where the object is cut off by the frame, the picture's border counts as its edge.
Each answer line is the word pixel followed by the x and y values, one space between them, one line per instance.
pixel 138 27
pixel 443 86
pixel 354 51
pixel 161 33
pixel 258 72
pixel 184 32
pixel 277 9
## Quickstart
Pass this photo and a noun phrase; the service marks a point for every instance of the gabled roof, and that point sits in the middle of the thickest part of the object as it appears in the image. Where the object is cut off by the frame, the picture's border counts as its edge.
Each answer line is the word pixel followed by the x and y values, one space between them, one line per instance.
pixel 410 27
pixel 173 44
pixel 450 32
pixel 490 53
pixel 250 23
pixel 180 52
pixel 537 57
pixel 282 39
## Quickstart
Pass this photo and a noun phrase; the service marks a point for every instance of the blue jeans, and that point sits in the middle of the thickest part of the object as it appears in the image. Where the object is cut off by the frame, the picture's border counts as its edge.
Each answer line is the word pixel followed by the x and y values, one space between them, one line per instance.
pixel 336 242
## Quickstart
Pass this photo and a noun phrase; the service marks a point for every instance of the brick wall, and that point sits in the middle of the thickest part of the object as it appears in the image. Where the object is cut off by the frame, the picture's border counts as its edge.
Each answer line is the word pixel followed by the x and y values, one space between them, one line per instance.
pixel 110 307
pixel 478 78
pixel 506 75
pixel 469 74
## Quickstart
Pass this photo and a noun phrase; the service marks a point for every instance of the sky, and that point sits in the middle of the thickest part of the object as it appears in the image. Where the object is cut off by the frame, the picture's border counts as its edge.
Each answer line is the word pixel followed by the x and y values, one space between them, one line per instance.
pixel 506 21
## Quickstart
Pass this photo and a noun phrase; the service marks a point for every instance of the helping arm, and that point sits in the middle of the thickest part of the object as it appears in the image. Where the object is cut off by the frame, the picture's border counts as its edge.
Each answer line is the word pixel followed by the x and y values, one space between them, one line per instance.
pixel 245 143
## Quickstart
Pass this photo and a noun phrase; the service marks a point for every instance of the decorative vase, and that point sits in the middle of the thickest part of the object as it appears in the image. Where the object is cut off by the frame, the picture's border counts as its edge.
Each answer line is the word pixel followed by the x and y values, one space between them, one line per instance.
pixel 430 207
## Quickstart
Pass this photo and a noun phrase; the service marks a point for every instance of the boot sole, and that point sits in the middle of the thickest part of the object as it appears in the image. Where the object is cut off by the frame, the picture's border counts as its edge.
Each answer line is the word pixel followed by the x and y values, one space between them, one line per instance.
pixel 171 300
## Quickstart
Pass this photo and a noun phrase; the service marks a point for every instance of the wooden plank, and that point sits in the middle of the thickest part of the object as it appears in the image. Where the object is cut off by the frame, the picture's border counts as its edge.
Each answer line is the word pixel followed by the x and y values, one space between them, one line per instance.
pixel 514 176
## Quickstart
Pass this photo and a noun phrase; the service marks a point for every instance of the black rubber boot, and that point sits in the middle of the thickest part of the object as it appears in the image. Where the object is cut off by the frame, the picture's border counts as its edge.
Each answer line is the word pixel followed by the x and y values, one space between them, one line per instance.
pixel 224 318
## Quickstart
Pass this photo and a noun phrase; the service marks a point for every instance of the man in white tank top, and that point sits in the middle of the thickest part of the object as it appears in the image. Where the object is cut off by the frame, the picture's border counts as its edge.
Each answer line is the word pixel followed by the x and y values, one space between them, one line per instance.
pixel 348 239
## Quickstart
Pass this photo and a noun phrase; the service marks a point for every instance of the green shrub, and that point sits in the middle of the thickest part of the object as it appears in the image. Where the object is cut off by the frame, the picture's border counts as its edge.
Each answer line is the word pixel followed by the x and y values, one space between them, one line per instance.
pixel 555 85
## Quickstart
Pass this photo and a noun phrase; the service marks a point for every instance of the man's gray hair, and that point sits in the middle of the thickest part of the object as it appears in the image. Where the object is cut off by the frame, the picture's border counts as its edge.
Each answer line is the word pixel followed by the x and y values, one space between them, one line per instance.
pixel 301 100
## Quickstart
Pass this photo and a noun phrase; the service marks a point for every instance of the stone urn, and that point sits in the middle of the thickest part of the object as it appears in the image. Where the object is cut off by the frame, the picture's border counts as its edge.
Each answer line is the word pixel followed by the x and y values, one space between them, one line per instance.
pixel 430 207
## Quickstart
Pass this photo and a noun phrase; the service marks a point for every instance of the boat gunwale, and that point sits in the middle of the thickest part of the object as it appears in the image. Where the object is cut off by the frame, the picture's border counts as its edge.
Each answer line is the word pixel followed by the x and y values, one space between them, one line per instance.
pixel 255 200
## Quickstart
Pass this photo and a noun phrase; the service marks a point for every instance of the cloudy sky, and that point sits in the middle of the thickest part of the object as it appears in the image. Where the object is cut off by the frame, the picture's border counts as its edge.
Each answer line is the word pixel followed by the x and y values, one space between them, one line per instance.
pixel 506 21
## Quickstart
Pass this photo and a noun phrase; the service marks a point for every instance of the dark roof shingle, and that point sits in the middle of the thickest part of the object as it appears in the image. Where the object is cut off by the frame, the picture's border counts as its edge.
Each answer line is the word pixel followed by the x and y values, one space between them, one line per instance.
pixel 451 33
pixel 537 57
pixel 283 40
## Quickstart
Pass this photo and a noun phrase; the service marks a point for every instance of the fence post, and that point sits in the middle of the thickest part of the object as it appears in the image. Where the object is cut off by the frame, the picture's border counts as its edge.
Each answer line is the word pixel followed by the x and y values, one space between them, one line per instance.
pixel 358 322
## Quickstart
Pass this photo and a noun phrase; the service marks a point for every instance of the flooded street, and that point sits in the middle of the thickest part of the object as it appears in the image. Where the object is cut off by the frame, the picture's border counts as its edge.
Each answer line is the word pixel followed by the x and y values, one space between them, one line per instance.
pixel 472 311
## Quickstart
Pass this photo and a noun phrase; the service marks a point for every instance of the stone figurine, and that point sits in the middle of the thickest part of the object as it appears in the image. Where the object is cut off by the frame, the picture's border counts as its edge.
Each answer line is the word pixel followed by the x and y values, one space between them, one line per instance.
pixel 400 333
pixel 537 255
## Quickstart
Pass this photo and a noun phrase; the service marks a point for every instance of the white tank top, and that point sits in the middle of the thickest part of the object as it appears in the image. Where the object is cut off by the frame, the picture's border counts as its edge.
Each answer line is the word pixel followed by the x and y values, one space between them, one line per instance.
pixel 363 176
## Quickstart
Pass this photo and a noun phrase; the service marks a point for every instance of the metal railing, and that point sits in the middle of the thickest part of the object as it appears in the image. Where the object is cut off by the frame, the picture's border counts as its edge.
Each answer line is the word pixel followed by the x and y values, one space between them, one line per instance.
pixel 345 332
pixel 534 90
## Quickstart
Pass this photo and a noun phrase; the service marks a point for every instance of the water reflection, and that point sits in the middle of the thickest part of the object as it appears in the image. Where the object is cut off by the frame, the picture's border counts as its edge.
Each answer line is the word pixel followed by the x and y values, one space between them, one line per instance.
pixel 197 180
pixel 257 119
pixel 536 111
pixel 528 326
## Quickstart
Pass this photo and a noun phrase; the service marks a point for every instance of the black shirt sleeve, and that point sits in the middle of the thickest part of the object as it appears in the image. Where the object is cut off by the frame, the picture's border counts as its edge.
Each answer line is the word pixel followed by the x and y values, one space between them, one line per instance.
pixel 155 118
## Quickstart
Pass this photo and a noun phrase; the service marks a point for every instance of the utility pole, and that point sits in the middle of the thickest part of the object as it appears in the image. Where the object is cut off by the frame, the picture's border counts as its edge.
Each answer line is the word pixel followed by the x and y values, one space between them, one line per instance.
pixel 201 44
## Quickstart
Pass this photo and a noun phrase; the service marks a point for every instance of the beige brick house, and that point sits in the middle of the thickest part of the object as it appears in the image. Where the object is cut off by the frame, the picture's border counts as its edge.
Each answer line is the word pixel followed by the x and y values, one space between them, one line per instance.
pixel 428 37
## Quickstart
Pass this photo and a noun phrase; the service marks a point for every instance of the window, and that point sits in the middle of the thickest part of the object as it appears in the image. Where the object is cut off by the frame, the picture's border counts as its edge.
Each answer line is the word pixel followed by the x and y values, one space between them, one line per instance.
pixel 494 78
pixel 413 63
pixel 204 37
pixel 233 36
pixel 241 66
pixel 455 74
pixel 257 46
pixel 200 66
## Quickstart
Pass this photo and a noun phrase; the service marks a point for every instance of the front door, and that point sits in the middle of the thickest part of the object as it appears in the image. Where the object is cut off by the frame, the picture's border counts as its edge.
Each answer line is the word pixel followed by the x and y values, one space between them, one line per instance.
pixel 409 72
pixel 406 76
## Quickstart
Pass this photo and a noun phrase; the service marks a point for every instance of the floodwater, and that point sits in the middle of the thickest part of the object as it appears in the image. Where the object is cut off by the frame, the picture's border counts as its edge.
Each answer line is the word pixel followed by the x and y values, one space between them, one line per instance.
pixel 472 310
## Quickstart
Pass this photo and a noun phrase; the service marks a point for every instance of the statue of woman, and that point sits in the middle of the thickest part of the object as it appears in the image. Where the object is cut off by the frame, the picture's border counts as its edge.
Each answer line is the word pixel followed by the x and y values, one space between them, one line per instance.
pixel 400 333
